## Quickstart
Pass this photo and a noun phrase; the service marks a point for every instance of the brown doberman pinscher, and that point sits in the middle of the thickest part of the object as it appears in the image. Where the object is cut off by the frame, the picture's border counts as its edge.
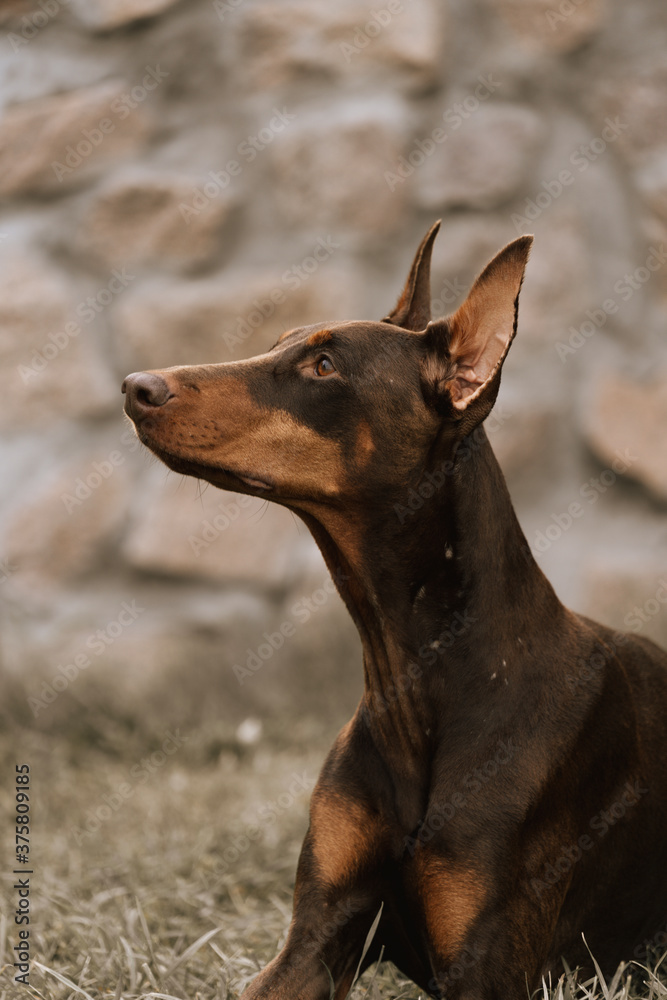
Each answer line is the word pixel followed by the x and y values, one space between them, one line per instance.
pixel 502 787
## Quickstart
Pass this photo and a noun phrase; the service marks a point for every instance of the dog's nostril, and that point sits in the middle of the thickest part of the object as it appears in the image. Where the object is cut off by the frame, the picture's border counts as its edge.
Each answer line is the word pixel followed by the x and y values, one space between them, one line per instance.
pixel 144 391
pixel 147 389
pixel 144 396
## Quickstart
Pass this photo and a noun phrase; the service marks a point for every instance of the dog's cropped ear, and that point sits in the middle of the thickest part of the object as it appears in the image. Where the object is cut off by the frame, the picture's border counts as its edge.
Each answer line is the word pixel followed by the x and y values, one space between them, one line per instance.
pixel 413 309
pixel 465 352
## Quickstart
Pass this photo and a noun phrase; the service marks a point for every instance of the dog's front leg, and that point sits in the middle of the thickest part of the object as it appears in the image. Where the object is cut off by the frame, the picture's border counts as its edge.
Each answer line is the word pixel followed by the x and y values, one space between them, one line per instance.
pixel 336 898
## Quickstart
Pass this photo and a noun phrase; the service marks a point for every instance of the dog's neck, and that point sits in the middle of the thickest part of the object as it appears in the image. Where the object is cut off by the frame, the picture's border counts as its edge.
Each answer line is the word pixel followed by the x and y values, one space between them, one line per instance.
pixel 441 592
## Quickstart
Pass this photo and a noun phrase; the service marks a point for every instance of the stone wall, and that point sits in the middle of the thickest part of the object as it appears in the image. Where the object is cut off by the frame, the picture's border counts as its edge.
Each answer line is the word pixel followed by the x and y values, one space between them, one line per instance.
pixel 182 182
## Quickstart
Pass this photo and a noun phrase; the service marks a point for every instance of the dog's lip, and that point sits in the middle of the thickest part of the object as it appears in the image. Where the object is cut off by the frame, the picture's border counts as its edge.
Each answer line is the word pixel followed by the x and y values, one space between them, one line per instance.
pixel 258 484
pixel 211 472
pixel 251 481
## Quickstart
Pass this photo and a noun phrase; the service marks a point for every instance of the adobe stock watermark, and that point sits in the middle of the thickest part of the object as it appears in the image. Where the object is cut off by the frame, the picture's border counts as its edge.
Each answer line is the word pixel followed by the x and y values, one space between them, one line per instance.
pixel 120 108
pixel 224 7
pixel 228 514
pixel 581 158
pixel 321 933
pixel 292 279
pixel 96 644
pixel 318 937
pixel 391 693
pixel 640 615
pixel 31 24
pixel 590 491
pixel 603 653
pixel 85 485
pixel 600 825
pixel 656 943
pixel 433 481
pixel 364 35
pixel 387 353
pixel 565 10
pixel 6 570
pixel 467 958
pixel 451 291
pixel 267 814
pixel 301 611
pixel 111 802
pixel 454 117
pixel 624 288
pixel 85 311
pixel 471 785
pixel 458 624
pixel 248 150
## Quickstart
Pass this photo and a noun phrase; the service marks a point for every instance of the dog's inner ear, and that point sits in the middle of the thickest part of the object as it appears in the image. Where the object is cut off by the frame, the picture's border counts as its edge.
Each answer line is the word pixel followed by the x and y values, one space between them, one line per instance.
pixel 413 309
pixel 480 332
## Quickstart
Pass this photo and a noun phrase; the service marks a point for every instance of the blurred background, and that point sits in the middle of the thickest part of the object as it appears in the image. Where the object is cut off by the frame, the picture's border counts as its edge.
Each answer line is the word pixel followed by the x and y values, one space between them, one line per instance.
pixel 180 183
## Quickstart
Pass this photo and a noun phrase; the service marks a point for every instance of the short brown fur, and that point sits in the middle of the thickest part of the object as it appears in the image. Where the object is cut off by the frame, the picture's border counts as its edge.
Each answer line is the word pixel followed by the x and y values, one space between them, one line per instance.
pixel 482 755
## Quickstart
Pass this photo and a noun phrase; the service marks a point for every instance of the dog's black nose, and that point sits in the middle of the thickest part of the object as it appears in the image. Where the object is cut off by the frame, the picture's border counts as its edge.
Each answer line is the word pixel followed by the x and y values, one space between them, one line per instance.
pixel 144 392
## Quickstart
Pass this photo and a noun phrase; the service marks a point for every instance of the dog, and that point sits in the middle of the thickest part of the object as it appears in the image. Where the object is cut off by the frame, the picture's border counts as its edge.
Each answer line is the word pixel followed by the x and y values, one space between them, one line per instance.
pixel 498 802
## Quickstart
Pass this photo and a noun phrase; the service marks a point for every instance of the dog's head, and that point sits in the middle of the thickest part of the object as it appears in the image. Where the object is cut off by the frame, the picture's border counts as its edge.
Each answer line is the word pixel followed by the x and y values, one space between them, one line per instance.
pixel 339 412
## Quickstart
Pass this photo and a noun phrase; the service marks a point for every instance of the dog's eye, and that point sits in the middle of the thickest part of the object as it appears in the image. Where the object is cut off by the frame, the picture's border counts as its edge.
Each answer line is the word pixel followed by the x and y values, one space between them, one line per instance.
pixel 324 366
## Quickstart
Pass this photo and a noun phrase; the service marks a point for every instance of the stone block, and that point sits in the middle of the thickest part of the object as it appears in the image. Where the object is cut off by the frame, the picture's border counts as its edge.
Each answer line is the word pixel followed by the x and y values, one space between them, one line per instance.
pixel 559 283
pixel 50 365
pixel 230 316
pixel 53 143
pixel 651 180
pixel 142 217
pixel 61 533
pixel 625 422
pixel 282 43
pixel 524 441
pixel 185 528
pixel 105 15
pixel 548 26
pixel 636 100
pixel 631 598
pixel 483 161
pixel 331 169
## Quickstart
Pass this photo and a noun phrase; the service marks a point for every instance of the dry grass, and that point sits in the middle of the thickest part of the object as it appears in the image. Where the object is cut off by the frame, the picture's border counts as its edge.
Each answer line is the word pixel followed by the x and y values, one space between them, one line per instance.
pixel 142 907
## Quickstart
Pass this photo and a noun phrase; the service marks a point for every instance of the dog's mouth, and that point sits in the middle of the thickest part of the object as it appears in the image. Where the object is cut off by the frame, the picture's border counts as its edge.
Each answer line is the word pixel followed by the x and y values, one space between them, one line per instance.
pixel 221 476
pixel 148 395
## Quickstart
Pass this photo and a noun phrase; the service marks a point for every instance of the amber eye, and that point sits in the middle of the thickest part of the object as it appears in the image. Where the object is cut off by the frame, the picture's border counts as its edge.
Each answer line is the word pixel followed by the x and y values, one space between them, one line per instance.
pixel 324 366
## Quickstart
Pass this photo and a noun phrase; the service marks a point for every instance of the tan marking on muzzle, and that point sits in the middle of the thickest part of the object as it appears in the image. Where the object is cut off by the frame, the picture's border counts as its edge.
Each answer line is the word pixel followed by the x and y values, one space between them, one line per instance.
pixel 216 421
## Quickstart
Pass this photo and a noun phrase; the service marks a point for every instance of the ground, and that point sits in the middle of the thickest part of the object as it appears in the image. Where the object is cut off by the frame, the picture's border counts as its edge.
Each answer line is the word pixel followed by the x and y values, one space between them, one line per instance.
pixel 166 870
